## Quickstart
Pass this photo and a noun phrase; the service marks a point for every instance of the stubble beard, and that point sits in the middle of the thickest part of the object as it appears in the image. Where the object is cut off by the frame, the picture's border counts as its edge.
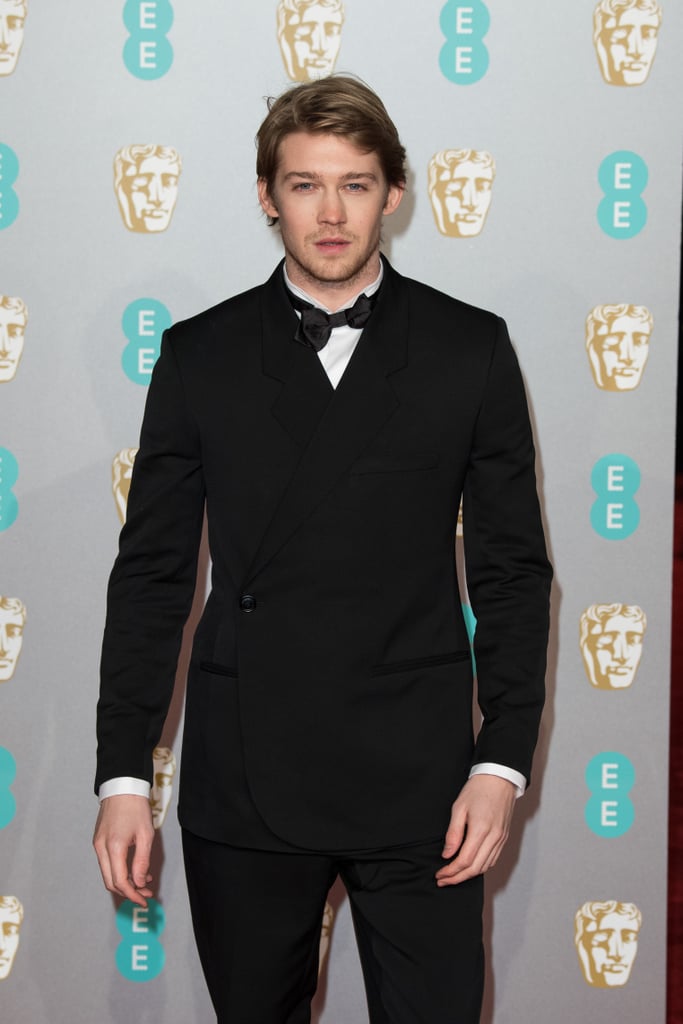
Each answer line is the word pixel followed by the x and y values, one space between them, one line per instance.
pixel 341 274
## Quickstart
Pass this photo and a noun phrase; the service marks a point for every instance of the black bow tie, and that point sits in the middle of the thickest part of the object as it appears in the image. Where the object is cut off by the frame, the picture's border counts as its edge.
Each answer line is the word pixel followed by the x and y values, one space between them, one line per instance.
pixel 315 325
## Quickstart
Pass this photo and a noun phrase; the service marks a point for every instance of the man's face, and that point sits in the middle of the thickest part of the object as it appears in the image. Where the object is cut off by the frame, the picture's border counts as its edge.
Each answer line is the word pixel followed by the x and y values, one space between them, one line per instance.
pixel 612 949
pixel 464 191
pixel 12 16
pixel 162 788
pixel 617 651
pixel 152 191
pixel 630 45
pixel 12 328
pixel 622 350
pixel 310 42
pixel 10 925
pixel 330 198
pixel 11 635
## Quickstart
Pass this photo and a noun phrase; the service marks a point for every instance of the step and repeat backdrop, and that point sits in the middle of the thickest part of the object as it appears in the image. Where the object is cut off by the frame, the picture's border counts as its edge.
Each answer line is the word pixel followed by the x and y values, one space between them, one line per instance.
pixel 545 183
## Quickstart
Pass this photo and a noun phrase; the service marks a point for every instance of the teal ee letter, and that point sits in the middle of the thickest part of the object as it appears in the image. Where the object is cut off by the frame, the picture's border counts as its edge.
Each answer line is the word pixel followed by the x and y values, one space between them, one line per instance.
pixel 464 58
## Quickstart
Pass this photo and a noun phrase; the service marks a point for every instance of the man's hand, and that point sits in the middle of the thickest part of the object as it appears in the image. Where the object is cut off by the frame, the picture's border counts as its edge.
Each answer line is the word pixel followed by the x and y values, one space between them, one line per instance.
pixel 479 827
pixel 125 822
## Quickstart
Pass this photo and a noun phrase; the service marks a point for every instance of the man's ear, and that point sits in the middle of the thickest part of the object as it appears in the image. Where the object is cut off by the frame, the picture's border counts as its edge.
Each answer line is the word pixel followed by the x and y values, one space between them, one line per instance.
pixel 394 197
pixel 264 198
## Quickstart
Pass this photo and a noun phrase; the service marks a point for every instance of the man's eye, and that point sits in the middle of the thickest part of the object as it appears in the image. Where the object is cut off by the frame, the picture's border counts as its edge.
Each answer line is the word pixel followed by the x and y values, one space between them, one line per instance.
pixel 355 186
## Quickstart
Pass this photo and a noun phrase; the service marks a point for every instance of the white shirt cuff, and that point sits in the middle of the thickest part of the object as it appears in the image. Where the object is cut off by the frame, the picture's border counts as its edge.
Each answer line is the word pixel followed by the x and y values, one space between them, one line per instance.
pixel 487 768
pixel 124 786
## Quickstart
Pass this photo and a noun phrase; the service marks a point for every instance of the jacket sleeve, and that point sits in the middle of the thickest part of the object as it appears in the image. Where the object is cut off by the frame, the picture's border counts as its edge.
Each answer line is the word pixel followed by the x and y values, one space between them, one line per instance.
pixel 152 583
pixel 507 570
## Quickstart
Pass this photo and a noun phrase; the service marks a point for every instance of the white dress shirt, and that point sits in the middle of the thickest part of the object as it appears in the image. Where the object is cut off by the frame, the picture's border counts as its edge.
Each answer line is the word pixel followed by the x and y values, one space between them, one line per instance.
pixel 335 358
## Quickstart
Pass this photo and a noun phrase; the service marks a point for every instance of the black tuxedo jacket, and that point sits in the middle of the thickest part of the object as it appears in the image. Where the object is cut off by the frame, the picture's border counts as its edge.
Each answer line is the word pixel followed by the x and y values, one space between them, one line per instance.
pixel 329 695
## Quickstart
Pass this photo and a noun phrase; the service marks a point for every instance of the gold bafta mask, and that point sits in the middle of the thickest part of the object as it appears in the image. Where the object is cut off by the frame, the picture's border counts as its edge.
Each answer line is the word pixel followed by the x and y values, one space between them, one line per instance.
pixel 611 640
pixel 618 344
pixel 121 473
pixel 325 933
pixel 13 320
pixel 146 185
pixel 12 621
pixel 11 916
pixel 625 37
pixel 309 34
pixel 606 940
pixel 12 18
pixel 460 190
pixel 162 784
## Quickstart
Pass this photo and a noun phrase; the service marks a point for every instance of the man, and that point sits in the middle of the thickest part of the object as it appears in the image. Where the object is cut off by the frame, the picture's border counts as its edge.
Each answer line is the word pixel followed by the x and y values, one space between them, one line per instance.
pixel 11 916
pixel 618 344
pixel 625 36
pixel 146 185
pixel 460 184
pixel 611 640
pixel 12 18
pixel 12 621
pixel 328 726
pixel 606 939
pixel 13 320
pixel 309 34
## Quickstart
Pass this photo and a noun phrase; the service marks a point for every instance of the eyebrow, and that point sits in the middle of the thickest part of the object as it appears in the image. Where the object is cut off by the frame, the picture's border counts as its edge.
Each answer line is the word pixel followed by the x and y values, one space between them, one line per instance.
pixel 311 176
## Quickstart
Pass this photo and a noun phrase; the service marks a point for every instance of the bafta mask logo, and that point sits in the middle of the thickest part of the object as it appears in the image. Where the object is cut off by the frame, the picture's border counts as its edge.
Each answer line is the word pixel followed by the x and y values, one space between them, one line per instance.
pixel 11 916
pixel 162 784
pixel 146 185
pixel 12 621
pixel 618 344
pixel 460 190
pixel 611 640
pixel 121 473
pixel 309 34
pixel 13 320
pixel 606 939
pixel 625 37
pixel 325 933
pixel 12 18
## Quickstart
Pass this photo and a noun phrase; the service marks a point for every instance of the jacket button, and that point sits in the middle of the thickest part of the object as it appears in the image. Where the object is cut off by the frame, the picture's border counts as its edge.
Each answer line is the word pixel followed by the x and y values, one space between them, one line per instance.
pixel 247 603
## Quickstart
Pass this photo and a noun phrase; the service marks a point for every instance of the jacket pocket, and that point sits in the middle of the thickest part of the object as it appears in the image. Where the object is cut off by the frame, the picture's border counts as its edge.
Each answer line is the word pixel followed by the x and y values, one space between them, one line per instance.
pixel 415 663
pixel 402 462
pixel 217 670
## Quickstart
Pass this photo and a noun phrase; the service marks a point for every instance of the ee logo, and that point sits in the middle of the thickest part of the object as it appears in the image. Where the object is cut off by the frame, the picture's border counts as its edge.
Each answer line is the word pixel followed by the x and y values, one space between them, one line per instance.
pixel 623 178
pixel 615 479
pixel 9 172
pixel 610 778
pixel 8 771
pixel 144 321
pixel 147 52
pixel 140 956
pixel 464 58
pixel 9 506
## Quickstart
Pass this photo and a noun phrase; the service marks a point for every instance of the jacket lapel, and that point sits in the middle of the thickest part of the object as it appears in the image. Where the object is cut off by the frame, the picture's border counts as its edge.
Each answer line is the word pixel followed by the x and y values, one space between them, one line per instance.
pixel 347 419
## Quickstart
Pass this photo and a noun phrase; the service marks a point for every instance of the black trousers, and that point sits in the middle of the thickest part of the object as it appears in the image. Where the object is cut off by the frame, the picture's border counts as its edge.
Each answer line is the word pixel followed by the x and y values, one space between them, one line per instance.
pixel 257 918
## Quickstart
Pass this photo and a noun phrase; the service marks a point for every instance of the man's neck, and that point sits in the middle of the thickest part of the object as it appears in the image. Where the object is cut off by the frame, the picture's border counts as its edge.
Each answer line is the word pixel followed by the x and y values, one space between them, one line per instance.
pixel 333 295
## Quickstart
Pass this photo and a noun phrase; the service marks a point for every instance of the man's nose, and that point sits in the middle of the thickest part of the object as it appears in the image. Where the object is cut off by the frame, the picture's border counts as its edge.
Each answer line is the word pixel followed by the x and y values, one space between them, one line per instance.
pixel 4 33
pixel 4 643
pixel 332 209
